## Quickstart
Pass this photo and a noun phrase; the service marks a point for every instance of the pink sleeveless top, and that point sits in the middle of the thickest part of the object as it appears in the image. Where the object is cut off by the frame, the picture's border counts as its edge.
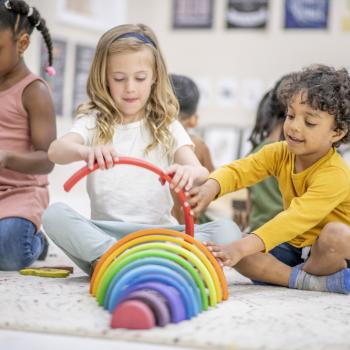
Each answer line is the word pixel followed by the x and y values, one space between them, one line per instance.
pixel 21 195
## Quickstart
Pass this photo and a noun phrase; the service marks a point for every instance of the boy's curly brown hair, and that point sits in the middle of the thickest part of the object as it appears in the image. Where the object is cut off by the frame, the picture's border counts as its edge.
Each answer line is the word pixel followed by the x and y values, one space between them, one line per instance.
pixel 326 89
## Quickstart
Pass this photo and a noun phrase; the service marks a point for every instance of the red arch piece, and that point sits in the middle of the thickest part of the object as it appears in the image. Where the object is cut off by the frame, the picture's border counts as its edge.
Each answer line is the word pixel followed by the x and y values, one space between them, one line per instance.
pixel 140 163
pixel 133 314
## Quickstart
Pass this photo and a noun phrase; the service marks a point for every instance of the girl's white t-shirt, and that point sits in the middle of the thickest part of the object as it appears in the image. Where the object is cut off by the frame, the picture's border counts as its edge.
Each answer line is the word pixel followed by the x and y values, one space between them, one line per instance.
pixel 129 193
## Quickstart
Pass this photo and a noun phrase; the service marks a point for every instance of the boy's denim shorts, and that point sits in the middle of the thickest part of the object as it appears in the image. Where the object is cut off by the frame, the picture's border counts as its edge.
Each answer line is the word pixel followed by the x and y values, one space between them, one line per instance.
pixel 289 255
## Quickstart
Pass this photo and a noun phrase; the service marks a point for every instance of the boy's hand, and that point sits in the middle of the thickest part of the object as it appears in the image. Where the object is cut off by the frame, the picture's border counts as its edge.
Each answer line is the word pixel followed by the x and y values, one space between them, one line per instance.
pixel 104 155
pixel 230 254
pixel 183 176
pixel 200 197
pixel 226 254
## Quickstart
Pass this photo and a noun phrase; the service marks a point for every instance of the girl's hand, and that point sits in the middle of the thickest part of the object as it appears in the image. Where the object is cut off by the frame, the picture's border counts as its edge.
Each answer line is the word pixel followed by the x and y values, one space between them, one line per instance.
pixel 104 155
pixel 183 176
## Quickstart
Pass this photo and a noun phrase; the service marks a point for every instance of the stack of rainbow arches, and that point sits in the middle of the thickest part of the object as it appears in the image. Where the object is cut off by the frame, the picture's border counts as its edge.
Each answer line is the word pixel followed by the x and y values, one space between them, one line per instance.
pixel 157 276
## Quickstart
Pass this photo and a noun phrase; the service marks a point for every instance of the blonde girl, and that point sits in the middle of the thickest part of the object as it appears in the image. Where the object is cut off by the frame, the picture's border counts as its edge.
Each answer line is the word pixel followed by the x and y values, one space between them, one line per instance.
pixel 132 112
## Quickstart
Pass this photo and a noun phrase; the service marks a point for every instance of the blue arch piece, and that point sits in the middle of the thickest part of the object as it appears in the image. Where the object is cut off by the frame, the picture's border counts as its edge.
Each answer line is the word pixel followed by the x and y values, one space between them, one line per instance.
pixel 171 265
pixel 152 273
pixel 172 296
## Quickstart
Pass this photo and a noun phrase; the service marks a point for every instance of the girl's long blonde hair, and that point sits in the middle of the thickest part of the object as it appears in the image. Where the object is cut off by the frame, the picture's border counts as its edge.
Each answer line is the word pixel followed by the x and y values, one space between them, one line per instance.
pixel 162 107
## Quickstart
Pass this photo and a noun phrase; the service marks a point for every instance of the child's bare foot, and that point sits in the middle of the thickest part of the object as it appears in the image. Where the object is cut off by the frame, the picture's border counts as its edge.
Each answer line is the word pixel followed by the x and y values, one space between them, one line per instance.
pixel 225 254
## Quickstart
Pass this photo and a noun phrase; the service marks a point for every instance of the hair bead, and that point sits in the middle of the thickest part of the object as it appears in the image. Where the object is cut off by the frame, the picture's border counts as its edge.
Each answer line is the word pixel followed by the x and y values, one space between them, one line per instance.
pixel 51 71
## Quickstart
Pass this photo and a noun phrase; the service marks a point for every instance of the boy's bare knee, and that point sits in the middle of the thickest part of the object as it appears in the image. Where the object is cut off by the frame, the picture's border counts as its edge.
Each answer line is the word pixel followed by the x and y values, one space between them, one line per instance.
pixel 333 237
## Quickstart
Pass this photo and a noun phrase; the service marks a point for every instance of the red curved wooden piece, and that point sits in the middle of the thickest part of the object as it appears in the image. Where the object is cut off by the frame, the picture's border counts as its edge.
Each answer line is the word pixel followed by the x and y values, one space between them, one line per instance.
pixel 84 171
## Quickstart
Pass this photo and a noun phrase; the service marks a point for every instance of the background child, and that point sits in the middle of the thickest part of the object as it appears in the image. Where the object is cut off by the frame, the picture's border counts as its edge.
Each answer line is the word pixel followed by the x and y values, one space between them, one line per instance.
pixel 315 184
pixel 265 199
pixel 27 127
pixel 187 93
pixel 132 112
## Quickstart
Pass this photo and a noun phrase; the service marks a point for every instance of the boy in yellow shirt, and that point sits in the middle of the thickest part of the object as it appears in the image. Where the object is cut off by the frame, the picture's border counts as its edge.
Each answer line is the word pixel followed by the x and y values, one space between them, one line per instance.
pixel 315 184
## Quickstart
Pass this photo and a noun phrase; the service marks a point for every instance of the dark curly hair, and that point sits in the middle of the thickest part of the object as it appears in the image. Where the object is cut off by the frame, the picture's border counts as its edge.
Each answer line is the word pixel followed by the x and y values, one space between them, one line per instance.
pixel 18 16
pixel 326 89
pixel 271 111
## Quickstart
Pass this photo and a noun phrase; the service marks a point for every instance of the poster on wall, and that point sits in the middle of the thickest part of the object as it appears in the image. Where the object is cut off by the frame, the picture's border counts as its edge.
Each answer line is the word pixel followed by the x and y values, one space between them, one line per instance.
pixel 227 92
pixel 345 20
pixel 205 90
pixel 302 14
pixel 83 59
pixel 250 14
pixel 192 14
pixel 56 83
pixel 91 14
pixel 223 142
pixel 251 91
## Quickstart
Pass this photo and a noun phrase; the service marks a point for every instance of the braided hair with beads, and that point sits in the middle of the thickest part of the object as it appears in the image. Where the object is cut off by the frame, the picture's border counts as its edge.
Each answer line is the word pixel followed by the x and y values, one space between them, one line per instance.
pixel 20 17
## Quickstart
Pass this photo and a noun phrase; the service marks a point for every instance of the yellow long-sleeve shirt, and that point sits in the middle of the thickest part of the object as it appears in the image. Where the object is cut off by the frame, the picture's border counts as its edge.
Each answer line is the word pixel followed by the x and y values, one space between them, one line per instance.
pixel 312 198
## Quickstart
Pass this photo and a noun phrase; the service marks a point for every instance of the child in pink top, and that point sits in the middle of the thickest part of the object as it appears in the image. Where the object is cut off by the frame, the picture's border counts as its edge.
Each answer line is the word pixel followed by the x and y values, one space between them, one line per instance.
pixel 27 127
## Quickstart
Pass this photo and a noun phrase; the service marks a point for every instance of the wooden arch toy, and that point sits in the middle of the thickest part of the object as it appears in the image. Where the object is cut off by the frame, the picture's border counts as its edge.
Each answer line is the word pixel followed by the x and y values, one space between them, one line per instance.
pixel 155 276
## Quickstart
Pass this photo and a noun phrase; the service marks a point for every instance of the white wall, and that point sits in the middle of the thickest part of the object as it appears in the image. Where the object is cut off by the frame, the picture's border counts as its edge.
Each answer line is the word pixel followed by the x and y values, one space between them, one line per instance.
pixel 220 53
pixel 213 54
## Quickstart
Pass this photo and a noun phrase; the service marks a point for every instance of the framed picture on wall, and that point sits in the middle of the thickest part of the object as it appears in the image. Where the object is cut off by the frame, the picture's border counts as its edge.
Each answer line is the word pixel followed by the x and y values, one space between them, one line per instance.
pixel 247 14
pixel 83 59
pixel 345 20
pixel 192 14
pixel 91 14
pixel 56 83
pixel 223 142
pixel 303 14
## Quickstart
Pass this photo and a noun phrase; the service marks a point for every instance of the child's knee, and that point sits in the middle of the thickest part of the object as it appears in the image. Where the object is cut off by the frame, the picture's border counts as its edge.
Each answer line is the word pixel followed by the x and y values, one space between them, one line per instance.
pixel 333 237
pixel 230 230
pixel 224 231
pixel 53 217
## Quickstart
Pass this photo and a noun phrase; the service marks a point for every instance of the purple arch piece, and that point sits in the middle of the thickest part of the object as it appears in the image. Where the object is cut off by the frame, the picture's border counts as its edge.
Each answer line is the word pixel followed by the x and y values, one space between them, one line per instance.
pixel 171 295
pixel 155 301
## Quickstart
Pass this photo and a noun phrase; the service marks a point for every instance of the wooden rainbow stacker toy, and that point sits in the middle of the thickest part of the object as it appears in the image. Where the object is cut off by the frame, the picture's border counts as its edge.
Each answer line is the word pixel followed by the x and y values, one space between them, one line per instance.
pixel 156 276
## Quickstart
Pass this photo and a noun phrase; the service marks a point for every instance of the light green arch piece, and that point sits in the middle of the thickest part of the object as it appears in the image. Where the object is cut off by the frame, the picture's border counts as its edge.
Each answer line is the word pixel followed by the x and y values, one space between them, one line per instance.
pixel 191 257
pixel 131 256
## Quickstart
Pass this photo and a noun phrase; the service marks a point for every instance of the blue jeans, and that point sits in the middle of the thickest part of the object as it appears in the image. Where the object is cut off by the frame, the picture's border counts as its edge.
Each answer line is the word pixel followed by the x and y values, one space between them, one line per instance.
pixel 20 243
